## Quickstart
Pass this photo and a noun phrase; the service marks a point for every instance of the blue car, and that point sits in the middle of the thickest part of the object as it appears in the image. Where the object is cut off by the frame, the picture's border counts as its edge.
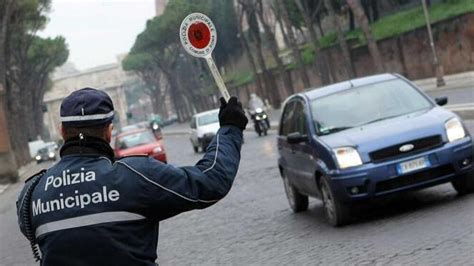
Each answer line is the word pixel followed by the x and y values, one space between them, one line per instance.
pixel 366 138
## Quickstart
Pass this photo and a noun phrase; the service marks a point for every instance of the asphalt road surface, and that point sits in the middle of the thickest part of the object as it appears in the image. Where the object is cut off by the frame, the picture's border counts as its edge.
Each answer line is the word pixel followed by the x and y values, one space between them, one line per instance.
pixel 254 225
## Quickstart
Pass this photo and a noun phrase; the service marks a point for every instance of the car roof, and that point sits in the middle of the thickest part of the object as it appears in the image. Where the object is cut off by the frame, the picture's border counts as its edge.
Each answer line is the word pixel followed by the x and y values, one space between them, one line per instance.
pixel 131 132
pixel 315 93
pixel 206 112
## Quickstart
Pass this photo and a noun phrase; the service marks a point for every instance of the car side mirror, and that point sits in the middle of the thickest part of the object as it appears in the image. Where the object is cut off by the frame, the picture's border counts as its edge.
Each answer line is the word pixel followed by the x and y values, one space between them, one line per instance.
pixel 296 137
pixel 441 101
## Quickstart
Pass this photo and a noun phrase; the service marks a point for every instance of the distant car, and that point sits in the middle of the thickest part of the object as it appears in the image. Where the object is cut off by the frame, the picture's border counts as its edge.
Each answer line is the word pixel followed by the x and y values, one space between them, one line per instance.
pixel 366 138
pixel 140 142
pixel 204 127
pixel 171 120
pixel 47 153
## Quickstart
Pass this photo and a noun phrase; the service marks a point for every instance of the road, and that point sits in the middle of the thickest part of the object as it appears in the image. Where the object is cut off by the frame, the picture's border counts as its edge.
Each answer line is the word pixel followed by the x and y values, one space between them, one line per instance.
pixel 455 96
pixel 254 225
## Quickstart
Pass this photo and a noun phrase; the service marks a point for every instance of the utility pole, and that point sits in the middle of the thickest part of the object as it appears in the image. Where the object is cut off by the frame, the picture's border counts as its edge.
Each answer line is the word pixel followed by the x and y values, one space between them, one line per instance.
pixel 438 67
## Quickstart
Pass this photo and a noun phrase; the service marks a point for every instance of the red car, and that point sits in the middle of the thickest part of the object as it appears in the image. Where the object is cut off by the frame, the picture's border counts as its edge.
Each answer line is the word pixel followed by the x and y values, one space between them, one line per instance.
pixel 140 142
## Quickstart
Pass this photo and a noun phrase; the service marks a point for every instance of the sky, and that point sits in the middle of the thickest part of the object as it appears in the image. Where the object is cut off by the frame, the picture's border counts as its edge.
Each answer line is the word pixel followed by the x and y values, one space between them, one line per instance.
pixel 98 30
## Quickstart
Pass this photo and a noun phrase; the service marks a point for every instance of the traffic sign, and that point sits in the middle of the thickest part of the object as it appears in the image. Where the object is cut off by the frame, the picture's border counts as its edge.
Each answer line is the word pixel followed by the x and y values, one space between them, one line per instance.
pixel 199 37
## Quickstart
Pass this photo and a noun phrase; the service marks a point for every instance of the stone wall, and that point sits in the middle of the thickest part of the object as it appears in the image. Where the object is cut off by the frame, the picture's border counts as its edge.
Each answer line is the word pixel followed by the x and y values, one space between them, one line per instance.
pixel 408 54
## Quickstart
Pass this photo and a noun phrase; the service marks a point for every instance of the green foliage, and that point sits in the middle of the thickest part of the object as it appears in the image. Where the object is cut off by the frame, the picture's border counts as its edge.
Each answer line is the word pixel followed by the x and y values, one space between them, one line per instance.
pixel 406 21
pixel 308 55
pixel 137 62
pixel 45 54
pixel 296 18
pixel 240 78
pixel 222 13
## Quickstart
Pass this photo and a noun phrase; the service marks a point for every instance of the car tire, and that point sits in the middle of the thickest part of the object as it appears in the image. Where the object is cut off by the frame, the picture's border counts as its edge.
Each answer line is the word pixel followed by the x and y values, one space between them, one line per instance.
pixel 297 201
pixel 337 213
pixel 463 184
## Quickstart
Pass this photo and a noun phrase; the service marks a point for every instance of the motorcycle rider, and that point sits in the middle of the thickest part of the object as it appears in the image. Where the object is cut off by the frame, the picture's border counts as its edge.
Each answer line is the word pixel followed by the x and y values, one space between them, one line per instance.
pixel 91 209
pixel 255 102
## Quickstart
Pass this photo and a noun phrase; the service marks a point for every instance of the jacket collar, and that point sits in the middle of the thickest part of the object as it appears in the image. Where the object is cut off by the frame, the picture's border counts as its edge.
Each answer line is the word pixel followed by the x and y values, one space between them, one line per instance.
pixel 87 146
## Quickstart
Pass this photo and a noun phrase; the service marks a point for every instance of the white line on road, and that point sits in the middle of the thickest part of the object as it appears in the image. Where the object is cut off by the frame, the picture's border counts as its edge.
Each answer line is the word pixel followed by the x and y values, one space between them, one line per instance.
pixel 3 188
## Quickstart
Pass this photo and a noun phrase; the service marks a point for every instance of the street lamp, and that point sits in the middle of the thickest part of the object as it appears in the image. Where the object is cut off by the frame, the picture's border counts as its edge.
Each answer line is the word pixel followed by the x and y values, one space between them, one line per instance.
pixel 438 67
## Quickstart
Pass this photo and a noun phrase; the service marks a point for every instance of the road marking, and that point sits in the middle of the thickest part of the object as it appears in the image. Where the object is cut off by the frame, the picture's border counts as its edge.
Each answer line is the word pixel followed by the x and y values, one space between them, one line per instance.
pixel 3 188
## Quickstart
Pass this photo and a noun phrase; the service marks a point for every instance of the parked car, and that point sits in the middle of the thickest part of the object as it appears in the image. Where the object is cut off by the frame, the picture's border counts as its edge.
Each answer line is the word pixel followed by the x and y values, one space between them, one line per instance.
pixel 140 142
pixel 366 138
pixel 47 153
pixel 204 127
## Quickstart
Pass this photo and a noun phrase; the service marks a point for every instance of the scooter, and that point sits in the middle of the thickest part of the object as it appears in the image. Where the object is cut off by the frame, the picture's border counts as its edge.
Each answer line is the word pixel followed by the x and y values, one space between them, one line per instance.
pixel 260 120
pixel 155 127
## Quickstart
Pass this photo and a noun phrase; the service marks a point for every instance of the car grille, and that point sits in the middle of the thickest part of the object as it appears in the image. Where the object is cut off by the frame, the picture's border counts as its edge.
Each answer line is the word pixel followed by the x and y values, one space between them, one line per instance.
pixel 412 179
pixel 394 151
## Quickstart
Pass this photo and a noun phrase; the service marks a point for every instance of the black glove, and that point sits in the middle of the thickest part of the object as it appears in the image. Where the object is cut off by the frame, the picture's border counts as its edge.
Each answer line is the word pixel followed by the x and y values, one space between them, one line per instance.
pixel 232 113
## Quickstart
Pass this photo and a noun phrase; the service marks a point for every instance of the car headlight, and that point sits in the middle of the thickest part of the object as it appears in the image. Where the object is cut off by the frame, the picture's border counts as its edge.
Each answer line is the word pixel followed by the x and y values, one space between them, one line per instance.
pixel 157 149
pixel 454 129
pixel 38 157
pixel 347 157
pixel 258 118
pixel 155 127
pixel 51 155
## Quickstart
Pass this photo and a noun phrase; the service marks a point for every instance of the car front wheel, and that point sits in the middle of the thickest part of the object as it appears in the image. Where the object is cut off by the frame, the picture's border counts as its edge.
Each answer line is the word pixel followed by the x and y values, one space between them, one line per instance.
pixel 298 202
pixel 337 213
pixel 464 184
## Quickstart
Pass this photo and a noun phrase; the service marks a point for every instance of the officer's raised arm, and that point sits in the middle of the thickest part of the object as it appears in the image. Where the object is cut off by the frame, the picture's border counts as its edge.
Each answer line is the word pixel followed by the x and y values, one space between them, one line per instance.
pixel 171 190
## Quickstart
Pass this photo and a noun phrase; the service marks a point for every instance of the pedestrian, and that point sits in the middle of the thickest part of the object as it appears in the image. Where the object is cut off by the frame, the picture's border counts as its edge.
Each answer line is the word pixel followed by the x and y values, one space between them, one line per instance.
pixel 93 209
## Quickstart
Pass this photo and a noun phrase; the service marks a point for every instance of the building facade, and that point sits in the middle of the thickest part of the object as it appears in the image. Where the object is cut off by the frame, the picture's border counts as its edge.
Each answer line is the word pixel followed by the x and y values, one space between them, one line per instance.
pixel 109 78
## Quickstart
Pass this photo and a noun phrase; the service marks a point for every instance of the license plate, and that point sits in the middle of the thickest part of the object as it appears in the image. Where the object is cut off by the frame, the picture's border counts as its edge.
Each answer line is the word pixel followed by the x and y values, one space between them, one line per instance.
pixel 413 165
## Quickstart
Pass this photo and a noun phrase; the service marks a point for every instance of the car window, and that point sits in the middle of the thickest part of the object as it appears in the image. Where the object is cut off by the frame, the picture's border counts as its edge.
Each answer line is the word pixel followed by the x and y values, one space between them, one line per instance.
pixel 207 119
pixel 135 139
pixel 366 104
pixel 300 119
pixel 287 119
pixel 43 150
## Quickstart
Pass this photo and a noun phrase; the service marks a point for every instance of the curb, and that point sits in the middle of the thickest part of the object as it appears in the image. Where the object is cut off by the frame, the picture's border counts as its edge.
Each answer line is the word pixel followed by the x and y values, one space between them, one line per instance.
pixel 462 80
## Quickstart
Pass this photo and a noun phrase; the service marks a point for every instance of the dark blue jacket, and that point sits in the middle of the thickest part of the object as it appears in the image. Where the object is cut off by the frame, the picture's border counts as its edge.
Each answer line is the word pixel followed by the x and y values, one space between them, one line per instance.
pixel 90 210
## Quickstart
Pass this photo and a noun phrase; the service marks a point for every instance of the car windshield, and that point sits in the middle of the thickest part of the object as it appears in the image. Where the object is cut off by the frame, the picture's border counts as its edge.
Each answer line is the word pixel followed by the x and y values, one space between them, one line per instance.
pixel 135 139
pixel 44 150
pixel 207 119
pixel 366 104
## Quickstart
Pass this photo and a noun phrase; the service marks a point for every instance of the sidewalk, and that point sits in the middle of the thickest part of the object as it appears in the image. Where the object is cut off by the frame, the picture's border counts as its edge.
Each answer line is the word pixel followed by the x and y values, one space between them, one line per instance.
pixel 455 81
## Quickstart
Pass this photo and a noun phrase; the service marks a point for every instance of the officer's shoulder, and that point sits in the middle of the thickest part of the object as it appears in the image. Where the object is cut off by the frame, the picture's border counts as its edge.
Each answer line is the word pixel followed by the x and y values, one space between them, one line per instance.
pixel 133 159
pixel 40 173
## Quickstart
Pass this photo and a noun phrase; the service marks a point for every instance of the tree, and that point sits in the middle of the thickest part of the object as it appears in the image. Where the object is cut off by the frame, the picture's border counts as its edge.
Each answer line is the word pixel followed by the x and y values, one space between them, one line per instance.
pixel 247 50
pixel 157 50
pixel 248 6
pixel 272 45
pixel 346 53
pixel 363 22
pixel 28 60
pixel 224 16
pixel 321 59
pixel 283 12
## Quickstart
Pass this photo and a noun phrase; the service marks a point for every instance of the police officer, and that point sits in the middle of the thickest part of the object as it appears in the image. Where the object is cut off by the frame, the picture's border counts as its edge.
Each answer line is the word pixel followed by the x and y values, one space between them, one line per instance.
pixel 90 209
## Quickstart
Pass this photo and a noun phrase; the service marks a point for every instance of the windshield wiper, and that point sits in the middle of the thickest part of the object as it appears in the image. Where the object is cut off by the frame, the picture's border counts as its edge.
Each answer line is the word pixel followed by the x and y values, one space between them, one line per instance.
pixel 380 119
